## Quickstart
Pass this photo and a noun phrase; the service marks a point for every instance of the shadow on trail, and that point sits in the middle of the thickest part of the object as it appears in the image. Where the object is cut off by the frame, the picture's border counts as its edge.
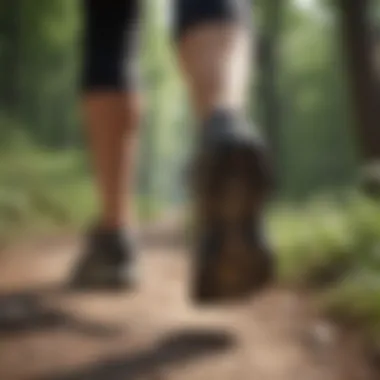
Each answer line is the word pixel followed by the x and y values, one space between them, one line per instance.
pixel 25 312
pixel 176 349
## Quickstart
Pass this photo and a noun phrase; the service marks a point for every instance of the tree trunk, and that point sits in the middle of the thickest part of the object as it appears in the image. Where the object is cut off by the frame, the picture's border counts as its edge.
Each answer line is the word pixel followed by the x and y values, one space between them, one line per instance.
pixel 357 41
pixel 11 65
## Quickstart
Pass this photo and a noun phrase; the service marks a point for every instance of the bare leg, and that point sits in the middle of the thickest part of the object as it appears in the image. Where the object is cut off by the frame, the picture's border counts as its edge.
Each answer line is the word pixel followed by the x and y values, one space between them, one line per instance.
pixel 215 58
pixel 111 121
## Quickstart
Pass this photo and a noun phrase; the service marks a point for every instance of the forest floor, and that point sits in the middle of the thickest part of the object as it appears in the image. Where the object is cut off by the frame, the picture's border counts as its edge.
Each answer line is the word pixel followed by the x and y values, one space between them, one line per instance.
pixel 155 333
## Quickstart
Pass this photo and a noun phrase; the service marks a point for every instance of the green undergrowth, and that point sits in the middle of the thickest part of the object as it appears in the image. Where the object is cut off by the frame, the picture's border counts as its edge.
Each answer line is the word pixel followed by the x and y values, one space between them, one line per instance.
pixel 43 191
pixel 332 246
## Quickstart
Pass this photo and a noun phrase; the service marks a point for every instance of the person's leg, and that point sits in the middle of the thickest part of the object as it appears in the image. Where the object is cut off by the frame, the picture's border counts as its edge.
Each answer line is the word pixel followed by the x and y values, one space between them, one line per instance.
pixel 111 119
pixel 111 108
pixel 214 45
pixel 111 100
pixel 232 171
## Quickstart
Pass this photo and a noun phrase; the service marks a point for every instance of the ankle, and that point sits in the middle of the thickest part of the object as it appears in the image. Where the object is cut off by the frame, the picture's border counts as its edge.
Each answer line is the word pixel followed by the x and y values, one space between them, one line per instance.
pixel 110 223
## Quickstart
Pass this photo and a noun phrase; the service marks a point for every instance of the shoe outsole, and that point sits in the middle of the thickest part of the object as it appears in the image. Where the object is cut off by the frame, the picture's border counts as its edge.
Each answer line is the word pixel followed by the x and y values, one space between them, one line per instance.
pixel 229 191
pixel 95 276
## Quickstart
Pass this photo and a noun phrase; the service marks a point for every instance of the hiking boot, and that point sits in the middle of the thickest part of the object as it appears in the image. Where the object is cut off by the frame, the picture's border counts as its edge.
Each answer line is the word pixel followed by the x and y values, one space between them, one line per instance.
pixel 232 180
pixel 109 261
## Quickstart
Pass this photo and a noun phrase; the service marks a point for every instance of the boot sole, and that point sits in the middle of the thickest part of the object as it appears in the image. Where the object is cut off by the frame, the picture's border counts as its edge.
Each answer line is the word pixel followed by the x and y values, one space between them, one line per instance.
pixel 107 279
pixel 229 193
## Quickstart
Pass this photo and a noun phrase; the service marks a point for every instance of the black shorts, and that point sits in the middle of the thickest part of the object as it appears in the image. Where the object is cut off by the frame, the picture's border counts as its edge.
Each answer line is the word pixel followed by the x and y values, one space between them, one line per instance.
pixel 111 37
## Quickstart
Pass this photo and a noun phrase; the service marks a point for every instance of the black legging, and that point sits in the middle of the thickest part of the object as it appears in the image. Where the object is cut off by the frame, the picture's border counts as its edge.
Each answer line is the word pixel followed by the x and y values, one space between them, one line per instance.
pixel 112 32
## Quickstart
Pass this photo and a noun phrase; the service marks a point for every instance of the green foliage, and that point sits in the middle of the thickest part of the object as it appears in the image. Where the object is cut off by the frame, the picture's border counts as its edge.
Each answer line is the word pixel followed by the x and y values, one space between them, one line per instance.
pixel 318 149
pixel 42 190
pixel 332 246
pixel 39 57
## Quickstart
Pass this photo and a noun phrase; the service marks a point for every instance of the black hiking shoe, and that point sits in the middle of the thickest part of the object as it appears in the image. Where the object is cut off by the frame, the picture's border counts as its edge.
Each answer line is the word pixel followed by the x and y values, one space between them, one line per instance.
pixel 109 262
pixel 232 180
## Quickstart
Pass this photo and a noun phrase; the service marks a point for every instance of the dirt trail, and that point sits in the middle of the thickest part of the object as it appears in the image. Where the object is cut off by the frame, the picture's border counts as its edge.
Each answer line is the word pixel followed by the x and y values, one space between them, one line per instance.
pixel 48 333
